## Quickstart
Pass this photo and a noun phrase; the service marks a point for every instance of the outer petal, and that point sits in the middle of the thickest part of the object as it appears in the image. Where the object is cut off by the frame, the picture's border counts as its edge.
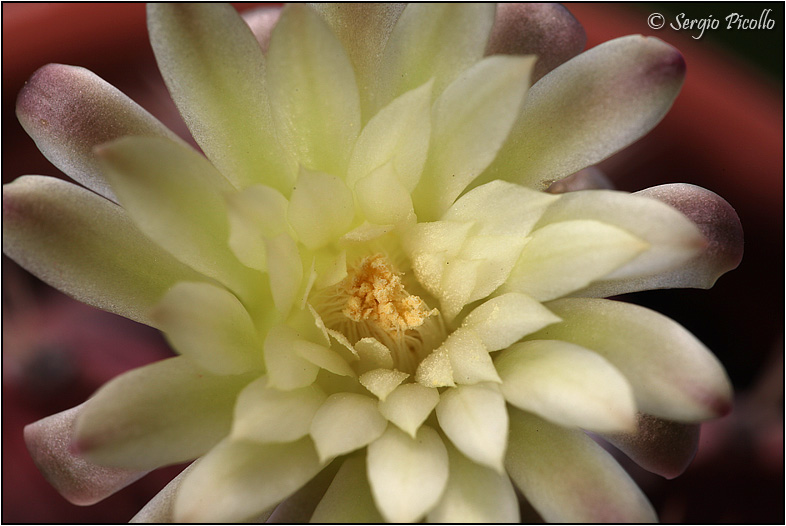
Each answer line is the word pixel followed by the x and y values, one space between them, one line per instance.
pixel 589 108
pixel 716 220
pixel 238 479
pixel 349 485
pixel 78 480
pixel 659 446
pixel 210 325
pixel 432 40
pixel 546 30
pixel 163 413
pixel 673 375
pixel 160 509
pixel 262 20
pixel 567 477
pixel 215 71
pixel 68 110
pixel 475 494
pixel 566 384
pixel 86 246
pixel 344 423
pixel 175 196
pixel 475 419
pixel 407 475
pixel 313 94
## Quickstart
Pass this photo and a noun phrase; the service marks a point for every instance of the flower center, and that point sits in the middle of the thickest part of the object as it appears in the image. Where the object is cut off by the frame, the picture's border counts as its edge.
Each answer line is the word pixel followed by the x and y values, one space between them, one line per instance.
pixel 372 302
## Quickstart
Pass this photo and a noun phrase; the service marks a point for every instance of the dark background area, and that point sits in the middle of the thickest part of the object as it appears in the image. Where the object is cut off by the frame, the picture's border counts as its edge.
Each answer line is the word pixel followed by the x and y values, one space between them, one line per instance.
pixel 725 133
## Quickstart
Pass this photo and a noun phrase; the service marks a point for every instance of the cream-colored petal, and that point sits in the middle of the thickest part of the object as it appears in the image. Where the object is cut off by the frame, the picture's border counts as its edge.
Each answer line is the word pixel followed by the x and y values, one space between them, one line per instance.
pixel 435 370
pixel 381 382
pixel 286 369
pixel 383 199
pixel 215 71
pixel 373 355
pixel 86 247
pixel 321 208
pixel 469 358
pixel 80 481
pixel 475 419
pixel 346 422
pixel 239 479
pixel 349 485
pixel 567 477
pixel 471 120
pixel 285 270
pixel 475 494
pixel 563 257
pixel 566 384
pixel 407 475
pixel 210 326
pixel 672 374
pixel 505 319
pixel 589 108
pixel 267 414
pixel 161 508
pixel 313 94
pixel 323 357
pixel 69 110
pixel 164 413
pixel 409 405
pixel 256 213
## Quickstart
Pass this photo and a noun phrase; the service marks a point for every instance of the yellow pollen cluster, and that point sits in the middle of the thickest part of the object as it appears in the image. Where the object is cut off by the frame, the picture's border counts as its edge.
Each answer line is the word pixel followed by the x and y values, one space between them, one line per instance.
pixel 376 295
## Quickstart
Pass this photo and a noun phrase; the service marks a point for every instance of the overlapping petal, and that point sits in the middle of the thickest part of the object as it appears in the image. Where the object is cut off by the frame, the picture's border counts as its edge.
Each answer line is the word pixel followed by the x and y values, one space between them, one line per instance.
pixel 349 485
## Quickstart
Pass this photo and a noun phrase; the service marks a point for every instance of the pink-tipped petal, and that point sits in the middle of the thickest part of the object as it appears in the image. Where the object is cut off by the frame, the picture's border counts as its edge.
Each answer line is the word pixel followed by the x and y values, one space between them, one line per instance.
pixel 262 21
pixel 660 446
pixel 78 480
pixel 547 30
pixel 590 178
pixel 68 110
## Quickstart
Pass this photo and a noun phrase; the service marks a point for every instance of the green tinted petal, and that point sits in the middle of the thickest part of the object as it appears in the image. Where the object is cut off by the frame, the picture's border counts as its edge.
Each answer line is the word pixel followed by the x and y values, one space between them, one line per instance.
pixel 321 208
pixel 349 485
pixel 344 423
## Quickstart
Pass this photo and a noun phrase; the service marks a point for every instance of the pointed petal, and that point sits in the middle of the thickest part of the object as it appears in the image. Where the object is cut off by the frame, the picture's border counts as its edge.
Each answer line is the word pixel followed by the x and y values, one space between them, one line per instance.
pixel 546 30
pixel 266 414
pixel 344 423
pixel 672 238
pixel 164 413
pixel 475 494
pixel 313 94
pixel 261 21
pixel 502 321
pixel 349 485
pixel 432 40
pixel 382 382
pixel 672 374
pixel 589 178
pixel 321 208
pixel 363 30
pixel 589 108
pixel 286 369
pixel 68 110
pixel 78 480
pixel 567 477
pixel 285 271
pixel 160 509
pixel 175 197
pixel 409 405
pixel 298 507
pixel 471 120
pixel 475 419
pixel 86 246
pixel 210 326
pixel 566 384
pixel 383 199
pixel 563 257
pixel 239 479
pixel 659 446
pixel 215 72
pixel 469 358
pixel 407 475
pixel 255 214
pixel 324 358
pixel 435 370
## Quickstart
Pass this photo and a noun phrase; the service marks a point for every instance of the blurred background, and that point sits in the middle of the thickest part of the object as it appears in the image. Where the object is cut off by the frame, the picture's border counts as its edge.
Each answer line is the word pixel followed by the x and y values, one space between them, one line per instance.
pixel 724 132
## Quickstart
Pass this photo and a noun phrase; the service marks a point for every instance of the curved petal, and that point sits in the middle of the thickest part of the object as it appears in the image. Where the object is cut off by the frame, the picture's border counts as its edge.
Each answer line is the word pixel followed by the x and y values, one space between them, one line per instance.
pixel 659 446
pixel 164 413
pixel 298 507
pixel 78 480
pixel 261 21
pixel 475 494
pixel 175 197
pixel 313 94
pixel 286 369
pixel 215 72
pixel 475 419
pixel 363 29
pixel 409 405
pixel 87 247
pixel 239 479
pixel 672 374
pixel 407 475
pixel 349 485
pixel 160 509
pixel 321 208
pixel 589 108
pixel 210 326
pixel 567 477
pixel 566 384
pixel 344 423
pixel 546 30
pixel 68 110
